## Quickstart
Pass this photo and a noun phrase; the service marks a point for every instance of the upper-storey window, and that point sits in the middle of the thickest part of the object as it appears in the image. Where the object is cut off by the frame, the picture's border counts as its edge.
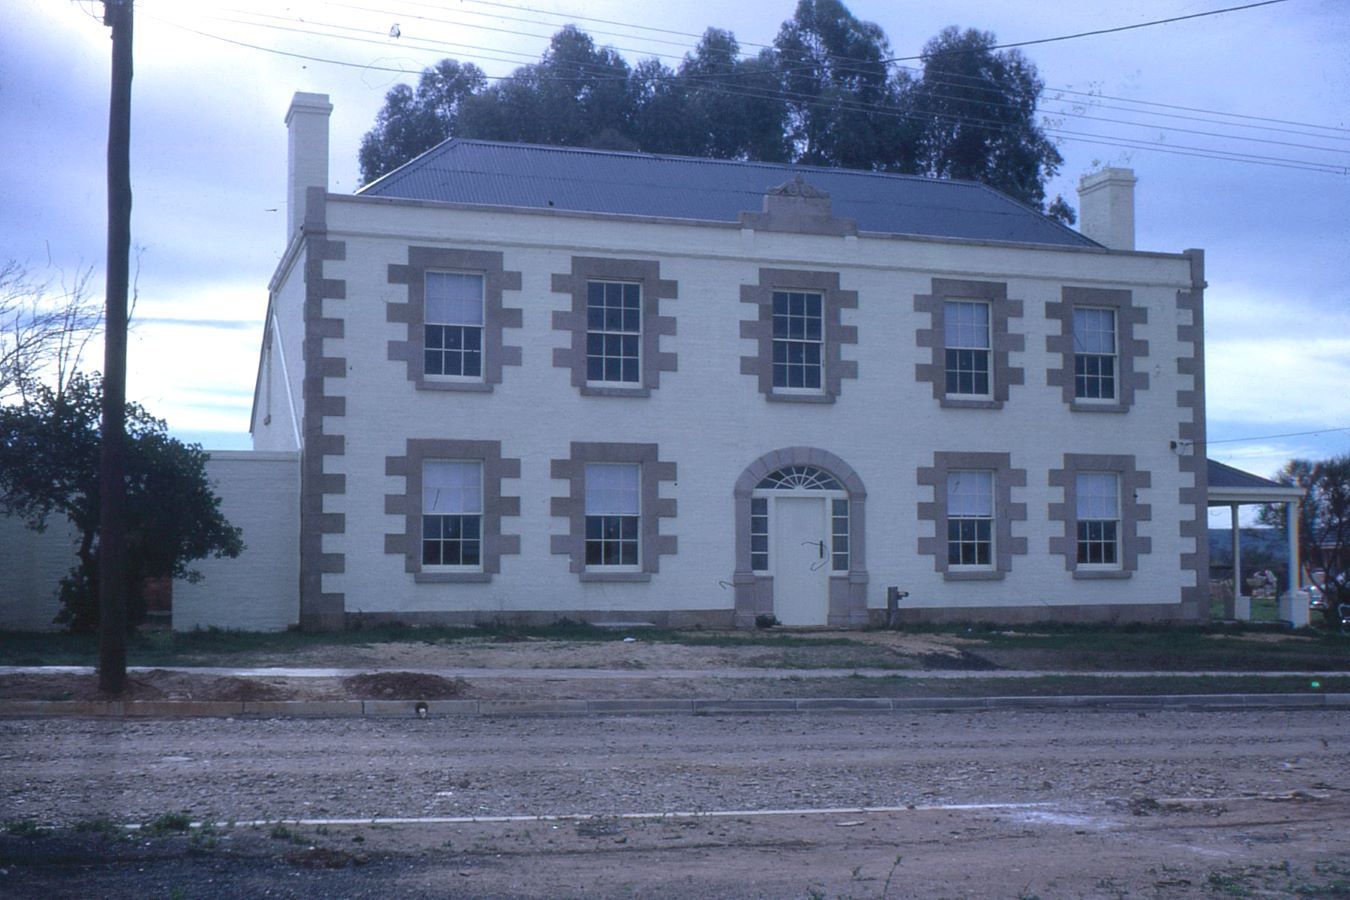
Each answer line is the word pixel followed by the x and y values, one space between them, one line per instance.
pixel 613 333
pixel 970 519
pixel 1094 353
pixel 452 513
pixel 798 340
pixel 453 325
pixel 1097 356
pixel 614 326
pixel 452 306
pixel 1097 497
pixel 613 514
pixel 967 338
pixel 967 344
pixel 798 328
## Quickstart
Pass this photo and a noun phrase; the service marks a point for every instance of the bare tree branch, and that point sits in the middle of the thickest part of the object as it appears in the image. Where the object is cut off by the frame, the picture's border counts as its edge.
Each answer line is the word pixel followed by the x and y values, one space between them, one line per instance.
pixel 45 326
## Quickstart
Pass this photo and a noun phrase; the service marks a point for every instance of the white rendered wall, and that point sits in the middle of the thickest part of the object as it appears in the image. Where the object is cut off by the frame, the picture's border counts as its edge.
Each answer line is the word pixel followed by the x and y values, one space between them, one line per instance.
pixel 31 566
pixel 279 407
pixel 259 590
pixel 712 422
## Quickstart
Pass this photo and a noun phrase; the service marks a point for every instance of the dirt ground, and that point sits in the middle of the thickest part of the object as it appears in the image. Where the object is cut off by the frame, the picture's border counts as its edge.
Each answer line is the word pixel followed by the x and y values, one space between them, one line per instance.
pixel 885 649
pixel 506 668
pixel 1011 804
pixel 399 670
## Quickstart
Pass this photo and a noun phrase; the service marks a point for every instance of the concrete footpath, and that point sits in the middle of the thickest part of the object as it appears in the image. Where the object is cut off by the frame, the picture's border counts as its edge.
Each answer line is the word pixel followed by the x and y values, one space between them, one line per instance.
pixel 1313 699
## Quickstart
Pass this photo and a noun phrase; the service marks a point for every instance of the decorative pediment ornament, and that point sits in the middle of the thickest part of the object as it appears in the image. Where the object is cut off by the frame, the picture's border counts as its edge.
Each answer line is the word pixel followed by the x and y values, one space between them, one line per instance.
pixel 796 206
pixel 798 187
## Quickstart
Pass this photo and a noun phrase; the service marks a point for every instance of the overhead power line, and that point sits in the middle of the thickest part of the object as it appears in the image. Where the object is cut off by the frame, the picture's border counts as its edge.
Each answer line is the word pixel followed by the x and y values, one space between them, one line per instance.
pixel 384 10
pixel 975 82
pixel 1271 437
pixel 1100 31
pixel 881 109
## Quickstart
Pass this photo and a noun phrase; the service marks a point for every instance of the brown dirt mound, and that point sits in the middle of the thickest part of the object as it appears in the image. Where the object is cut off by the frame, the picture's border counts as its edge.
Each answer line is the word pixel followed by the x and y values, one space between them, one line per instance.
pixel 404 686
pixel 232 688
pixel 961 659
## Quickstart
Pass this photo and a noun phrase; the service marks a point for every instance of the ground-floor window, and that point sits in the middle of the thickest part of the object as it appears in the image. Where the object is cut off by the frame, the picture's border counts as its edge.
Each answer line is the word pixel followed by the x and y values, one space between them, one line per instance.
pixel 1098 513
pixel 613 514
pixel 970 518
pixel 452 513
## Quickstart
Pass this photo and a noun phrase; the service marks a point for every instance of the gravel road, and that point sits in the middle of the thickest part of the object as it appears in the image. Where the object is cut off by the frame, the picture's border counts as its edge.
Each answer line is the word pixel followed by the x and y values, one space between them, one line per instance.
pixel 996 804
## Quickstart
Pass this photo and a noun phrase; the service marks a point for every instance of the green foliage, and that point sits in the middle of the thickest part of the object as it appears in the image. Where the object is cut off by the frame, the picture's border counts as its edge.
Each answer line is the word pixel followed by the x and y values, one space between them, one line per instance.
pixel 1323 523
pixel 977 113
pixel 411 122
pixel 825 93
pixel 49 464
pixel 168 823
pixel 23 828
pixel 845 106
pixel 100 826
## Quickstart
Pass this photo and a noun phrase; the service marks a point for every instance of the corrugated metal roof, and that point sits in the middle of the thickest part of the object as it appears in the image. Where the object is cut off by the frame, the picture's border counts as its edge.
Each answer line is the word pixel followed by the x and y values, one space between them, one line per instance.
pixel 1223 476
pixel 601 181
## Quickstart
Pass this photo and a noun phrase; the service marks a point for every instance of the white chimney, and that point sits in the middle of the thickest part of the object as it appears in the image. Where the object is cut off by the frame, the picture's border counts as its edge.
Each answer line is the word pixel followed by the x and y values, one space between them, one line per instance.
pixel 307 155
pixel 1106 207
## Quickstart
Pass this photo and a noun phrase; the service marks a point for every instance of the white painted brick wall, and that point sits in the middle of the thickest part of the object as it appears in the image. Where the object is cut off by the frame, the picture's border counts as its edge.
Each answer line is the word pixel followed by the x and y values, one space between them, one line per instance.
pixel 279 405
pixel 31 565
pixel 258 591
pixel 710 419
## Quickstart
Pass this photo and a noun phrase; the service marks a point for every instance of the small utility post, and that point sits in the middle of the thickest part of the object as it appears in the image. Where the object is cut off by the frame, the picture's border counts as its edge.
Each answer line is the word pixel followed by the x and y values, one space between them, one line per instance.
pixel 112 543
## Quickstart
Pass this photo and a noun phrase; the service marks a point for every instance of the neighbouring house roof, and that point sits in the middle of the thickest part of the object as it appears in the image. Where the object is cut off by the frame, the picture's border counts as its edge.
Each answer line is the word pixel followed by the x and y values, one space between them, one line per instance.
pixel 678 187
pixel 1230 485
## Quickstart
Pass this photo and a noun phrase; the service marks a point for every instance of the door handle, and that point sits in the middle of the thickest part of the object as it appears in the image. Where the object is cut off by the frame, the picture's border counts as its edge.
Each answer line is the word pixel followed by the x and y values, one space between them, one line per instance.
pixel 819 545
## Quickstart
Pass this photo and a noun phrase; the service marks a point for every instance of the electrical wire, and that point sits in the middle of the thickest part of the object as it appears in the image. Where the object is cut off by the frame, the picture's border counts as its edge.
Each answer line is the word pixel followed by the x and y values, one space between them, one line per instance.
pixel 1100 31
pixel 1270 437
pixel 1103 140
pixel 945 78
pixel 571 16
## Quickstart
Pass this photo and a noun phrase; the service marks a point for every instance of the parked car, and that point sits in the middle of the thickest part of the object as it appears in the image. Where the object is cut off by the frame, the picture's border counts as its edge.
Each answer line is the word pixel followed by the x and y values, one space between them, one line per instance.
pixel 1317 601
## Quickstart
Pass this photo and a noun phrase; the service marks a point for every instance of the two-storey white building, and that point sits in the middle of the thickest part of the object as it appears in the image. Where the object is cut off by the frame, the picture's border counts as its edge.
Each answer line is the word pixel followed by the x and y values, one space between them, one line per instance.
pixel 532 382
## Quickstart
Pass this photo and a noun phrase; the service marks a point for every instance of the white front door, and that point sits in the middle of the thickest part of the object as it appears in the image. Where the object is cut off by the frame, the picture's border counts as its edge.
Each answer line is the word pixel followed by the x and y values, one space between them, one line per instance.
pixel 801 561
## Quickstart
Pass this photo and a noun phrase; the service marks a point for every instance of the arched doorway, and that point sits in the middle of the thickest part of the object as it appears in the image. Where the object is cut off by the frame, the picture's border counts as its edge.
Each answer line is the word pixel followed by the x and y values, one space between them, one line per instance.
pixel 799 542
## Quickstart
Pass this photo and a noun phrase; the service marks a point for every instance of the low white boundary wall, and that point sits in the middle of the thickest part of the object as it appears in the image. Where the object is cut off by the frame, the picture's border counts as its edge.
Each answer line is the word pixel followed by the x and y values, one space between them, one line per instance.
pixel 259 591
pixel 31 565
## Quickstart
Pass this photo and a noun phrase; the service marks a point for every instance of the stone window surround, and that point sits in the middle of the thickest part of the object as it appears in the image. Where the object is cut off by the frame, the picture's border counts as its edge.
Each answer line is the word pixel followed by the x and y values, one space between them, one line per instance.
pixel 760 330
pixel 848 590
pixel 408 504
pixel 1132 512
pixel 1005 512
pixel 654 508
pixel 412 312
pixel 647 273
pixel 1128 348
pixel 1002 341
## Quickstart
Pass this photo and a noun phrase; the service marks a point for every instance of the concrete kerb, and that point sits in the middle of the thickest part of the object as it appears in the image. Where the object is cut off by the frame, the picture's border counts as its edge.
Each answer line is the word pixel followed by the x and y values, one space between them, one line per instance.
pixel 434 709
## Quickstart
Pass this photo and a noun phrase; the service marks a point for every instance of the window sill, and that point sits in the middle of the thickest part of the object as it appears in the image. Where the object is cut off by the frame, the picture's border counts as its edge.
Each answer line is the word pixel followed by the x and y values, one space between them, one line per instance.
pixel 972 575
pixel 430 384
pixel 1089 406
pixel 596 390
pixel 616 576
pixel 1100 574
pixel 451 577
pixel 969 403
pixel 799 398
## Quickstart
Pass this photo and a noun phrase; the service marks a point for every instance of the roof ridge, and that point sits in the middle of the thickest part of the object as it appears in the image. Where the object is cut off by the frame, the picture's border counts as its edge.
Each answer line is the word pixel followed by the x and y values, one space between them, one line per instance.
pixel 714 160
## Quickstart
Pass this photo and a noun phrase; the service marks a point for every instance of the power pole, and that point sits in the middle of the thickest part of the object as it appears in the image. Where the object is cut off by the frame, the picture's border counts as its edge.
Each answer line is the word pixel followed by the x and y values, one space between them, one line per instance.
pixel 112 543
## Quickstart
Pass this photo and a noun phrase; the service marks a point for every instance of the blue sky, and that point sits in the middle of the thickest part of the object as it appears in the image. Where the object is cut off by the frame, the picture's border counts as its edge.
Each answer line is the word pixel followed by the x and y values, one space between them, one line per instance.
pixel 209 163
